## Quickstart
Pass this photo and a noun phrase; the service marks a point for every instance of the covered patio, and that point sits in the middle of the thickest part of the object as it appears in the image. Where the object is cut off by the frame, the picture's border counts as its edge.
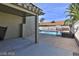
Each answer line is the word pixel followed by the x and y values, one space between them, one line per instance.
pixel 21 20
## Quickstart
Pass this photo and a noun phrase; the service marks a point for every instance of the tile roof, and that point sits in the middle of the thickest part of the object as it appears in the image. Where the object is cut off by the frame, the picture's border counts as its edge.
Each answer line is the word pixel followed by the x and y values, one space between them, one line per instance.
pixel 51 24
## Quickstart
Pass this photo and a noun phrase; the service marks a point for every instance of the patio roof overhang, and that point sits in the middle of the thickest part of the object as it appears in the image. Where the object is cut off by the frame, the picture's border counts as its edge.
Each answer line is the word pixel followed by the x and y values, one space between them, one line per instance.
pixel 19 10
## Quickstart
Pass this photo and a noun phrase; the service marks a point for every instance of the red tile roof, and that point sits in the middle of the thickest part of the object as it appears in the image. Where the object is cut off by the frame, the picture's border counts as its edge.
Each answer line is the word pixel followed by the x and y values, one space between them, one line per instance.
pixel 51 24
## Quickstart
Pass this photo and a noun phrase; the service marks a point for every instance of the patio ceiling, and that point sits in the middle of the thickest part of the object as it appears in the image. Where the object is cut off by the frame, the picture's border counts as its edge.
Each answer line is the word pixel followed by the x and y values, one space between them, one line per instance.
pixel 18 10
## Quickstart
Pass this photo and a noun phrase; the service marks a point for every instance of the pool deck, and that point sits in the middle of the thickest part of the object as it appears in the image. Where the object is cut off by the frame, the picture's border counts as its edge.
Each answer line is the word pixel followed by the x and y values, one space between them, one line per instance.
pixel 60 42
pixel 48 45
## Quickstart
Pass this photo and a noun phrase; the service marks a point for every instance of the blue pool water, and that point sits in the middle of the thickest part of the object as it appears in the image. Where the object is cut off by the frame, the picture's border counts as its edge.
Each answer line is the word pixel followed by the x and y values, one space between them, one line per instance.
pixel 50 32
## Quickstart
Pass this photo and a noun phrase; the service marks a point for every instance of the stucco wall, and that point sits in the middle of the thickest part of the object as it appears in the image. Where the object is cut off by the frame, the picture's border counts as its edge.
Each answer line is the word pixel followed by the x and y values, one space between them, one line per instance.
pixel 77 35
pixel 12 22
pixel 29 27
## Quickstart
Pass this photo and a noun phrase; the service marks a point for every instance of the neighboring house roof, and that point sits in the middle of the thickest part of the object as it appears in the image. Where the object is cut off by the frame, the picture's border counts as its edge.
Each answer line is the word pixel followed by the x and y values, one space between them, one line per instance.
pixel 51 24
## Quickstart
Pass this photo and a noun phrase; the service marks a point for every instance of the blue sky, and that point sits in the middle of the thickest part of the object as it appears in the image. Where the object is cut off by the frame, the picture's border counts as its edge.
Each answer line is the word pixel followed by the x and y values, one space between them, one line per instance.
pixel 53 11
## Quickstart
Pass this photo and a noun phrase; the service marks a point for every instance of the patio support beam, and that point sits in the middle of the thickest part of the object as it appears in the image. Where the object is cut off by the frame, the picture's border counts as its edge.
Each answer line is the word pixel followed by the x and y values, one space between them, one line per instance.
pixel 36 29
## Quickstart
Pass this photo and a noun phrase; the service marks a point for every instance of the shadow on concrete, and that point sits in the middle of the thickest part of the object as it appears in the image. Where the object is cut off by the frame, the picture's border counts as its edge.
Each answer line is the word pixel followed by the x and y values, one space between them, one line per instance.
pixel 67 35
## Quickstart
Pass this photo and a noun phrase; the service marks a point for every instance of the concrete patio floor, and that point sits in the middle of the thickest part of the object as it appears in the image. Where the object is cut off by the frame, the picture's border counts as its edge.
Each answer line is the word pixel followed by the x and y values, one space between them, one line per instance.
pixel 60 42
pixel 43 49
pixel 47 46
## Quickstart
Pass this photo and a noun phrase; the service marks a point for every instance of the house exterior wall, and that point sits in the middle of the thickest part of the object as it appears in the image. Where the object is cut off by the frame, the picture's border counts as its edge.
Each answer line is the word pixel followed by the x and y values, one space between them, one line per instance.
pixel 75 27
pixel 12 22
pixel 29 27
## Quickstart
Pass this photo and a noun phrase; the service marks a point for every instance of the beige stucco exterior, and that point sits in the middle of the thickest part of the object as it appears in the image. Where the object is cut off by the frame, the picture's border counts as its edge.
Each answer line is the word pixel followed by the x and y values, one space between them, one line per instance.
pixel 12 22
pixel 29 27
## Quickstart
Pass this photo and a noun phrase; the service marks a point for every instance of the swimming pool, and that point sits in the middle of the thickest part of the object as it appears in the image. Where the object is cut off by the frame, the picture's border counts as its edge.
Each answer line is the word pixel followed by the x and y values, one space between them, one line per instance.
pixel 50 32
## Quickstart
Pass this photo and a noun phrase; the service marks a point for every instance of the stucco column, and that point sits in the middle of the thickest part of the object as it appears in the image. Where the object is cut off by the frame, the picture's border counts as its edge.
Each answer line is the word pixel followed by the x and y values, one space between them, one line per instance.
pixel 21 26
pixel 36 29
